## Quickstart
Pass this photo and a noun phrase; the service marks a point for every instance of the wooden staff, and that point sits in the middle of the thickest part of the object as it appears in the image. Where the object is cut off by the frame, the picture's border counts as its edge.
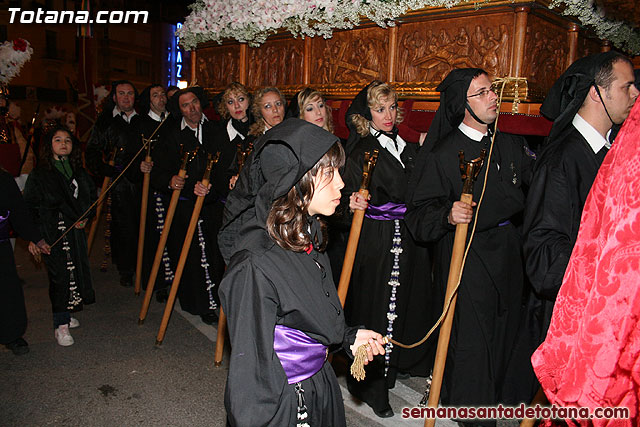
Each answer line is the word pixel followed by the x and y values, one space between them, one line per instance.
pixel 539 399
pixel 222 319
pixel 143 217
pixel 96 220
pixel 356 227
pixel 469 172
pixel 163 237
pixel 242 155
pixel 185 250
pixel 222 329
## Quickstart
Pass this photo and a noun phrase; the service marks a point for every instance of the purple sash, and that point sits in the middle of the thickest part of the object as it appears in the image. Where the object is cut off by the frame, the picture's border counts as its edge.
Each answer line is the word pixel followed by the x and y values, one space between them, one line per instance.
pixel 300 356
pixel 388 211
pixel 4 227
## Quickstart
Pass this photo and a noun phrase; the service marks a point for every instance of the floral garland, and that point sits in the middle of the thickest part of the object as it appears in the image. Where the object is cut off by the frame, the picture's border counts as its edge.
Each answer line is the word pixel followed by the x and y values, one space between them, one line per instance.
pixel 252 21
pixel 396 250
pixel 13 55
pixel 620 34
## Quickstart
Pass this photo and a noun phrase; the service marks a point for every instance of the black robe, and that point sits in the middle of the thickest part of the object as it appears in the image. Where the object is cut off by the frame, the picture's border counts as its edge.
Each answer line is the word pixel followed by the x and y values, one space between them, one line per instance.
pixel 49 195
pixel 107 133
pixel 563 177
pixel 265 286
pixel 198 285
pixel 15 213
pixel 368 299
pixel 489 297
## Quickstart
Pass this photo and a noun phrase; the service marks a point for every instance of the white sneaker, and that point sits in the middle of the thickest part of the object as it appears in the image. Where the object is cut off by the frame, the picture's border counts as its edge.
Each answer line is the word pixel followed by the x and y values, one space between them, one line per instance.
pixel 74 323
pixel 63 336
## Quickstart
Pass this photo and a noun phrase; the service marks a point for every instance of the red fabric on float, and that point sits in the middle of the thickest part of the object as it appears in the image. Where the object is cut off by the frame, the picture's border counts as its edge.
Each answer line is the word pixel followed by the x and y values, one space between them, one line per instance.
pixel 591 355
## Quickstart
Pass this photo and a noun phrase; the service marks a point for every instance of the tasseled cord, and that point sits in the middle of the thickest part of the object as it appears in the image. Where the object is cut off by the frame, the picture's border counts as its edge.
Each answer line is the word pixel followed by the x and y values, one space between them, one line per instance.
pixel 357 367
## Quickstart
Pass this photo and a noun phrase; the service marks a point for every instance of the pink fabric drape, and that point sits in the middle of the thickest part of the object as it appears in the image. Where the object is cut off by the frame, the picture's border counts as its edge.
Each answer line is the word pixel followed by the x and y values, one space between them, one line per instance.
pixel 591 355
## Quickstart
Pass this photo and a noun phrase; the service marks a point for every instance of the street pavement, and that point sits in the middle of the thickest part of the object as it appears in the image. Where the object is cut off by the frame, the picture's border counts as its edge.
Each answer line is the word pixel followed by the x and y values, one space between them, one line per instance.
pixel 115 375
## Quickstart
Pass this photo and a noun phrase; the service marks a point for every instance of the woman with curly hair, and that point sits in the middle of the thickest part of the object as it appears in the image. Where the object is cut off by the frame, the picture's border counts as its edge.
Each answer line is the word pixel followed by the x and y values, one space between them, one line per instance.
pixel 57 192
pixel 268 108
pixel 391 278
pixel 281 303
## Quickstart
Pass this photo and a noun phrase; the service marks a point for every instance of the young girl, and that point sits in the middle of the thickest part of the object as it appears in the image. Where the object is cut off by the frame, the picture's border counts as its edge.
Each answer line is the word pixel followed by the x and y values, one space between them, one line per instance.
pixel 278 293
pixel 58 191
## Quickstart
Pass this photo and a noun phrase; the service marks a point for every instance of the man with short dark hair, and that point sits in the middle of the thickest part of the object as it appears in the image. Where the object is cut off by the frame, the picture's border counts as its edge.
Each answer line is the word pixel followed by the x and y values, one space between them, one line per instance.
pixel 594 93
pixel 488 306
pixel 116 128
pixel 191 131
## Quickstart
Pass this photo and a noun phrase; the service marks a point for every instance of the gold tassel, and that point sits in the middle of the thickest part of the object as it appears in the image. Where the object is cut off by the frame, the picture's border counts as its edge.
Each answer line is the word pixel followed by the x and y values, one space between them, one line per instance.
pixel 357 367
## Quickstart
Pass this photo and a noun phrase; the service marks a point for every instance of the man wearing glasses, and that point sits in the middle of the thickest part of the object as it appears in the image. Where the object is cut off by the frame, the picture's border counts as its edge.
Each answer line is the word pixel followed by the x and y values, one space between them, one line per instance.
pixel 489 298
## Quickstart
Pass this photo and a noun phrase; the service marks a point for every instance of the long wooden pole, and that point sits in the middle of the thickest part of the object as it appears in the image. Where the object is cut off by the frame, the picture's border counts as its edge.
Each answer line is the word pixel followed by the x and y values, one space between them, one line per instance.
pixel 356 228
pixel 186 245
pixel 222 329
pixel 96 220
pixel 162 243
pixel 143 220
pixel 445 329
pixel 539 399
pixel 222 319
pixel 469 172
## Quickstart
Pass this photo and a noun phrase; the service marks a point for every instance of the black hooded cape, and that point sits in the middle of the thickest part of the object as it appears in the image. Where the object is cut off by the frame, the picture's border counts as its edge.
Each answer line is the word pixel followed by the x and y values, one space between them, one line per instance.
pixel 265 285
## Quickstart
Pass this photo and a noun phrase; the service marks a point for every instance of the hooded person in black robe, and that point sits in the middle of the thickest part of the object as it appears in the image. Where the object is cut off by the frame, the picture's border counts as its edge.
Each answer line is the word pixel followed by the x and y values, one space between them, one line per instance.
pixel 194 133
pixel 277 281
pixel 116 128
pixel 58 192
pixel 593 94
pixel 14 215
pixel 391 287
pixel 489 298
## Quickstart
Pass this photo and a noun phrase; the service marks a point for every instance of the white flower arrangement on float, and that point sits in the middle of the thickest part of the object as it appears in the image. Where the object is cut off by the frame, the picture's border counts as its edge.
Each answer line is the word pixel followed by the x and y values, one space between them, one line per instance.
pixel 620 34
pixel 13 55
pixel 252 21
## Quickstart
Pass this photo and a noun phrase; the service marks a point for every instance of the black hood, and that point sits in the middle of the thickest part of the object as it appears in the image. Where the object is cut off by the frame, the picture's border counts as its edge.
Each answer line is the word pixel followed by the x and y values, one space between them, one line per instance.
pixel 280 157
pixel 570 90
pixel 453 99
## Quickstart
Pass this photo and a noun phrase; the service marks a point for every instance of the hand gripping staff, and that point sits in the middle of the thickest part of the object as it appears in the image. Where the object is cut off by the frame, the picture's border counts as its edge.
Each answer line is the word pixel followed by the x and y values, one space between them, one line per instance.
pixel 212 160
pixel 103 189
pixel 186 157
pixel 469 171
pixel 222 319
pixel 143 216
pixel 356 226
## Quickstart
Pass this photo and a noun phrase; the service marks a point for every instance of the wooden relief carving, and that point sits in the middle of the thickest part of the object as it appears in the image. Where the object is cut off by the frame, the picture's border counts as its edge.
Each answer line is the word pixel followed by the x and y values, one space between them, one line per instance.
pixel 546 51
pixel 356 56
pixel 430 52
pixel 217 66
pixel 588 46
pixel 276 63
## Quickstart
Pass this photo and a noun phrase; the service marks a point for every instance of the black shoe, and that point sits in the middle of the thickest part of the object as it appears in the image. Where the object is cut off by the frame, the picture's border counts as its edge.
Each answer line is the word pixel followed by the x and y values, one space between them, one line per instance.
pixel 126 280
pixel 209 318
pixel 18 347
pixel 162 295
pixel 385 413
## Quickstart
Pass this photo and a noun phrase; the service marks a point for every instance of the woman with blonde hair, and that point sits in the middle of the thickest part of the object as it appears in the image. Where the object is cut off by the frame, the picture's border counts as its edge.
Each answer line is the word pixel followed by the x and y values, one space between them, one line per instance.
pixel 391 276
pixel 311 106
